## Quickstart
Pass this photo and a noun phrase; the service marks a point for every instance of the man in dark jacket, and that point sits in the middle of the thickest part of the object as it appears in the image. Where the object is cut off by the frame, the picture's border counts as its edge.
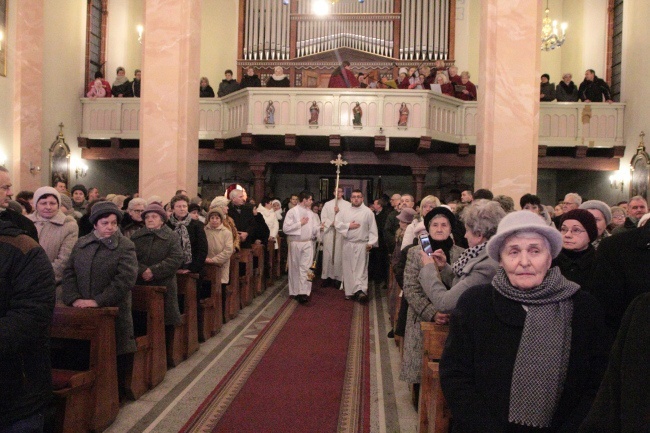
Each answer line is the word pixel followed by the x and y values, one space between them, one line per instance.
pixel 9 215
pixel 594 89
pixel 621 272
pixel 228 85
pixel 636 208
pixel 27 293
pixel 242 215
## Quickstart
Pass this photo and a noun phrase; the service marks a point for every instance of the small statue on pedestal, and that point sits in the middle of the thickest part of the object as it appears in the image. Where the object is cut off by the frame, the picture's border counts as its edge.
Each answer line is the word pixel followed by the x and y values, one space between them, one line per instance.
pixel 269 118
pixel 403 115
pixel 314 111
pixel 357 112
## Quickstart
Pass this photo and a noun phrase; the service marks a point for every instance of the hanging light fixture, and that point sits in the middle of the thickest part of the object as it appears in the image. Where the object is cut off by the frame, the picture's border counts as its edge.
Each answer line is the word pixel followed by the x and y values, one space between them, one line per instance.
pixel 551 37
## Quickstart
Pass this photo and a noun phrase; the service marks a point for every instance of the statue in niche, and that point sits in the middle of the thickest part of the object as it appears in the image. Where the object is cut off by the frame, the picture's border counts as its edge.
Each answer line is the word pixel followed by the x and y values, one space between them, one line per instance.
pixel 403 115
pixel 60 159
pixel 357 112
pixel 269 118
pixel 314 111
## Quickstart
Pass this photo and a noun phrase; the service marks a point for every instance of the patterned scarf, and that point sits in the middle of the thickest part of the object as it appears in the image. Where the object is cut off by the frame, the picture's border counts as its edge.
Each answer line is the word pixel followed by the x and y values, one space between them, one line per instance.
pixel 465 257
pixel 543 354
pixel 180 227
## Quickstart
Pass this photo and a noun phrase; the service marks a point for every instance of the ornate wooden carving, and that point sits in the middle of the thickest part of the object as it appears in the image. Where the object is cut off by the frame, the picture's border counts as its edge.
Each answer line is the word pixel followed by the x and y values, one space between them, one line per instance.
pixel 424 145
pixel 290 142
pixel 581 151
pixel 335 143
pixel 541 150
pixel 463 149
pixel 219 143
pixel 380 144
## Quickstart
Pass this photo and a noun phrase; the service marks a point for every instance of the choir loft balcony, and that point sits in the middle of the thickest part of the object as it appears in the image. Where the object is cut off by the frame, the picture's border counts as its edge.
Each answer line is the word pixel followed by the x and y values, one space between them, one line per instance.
pixel 435 124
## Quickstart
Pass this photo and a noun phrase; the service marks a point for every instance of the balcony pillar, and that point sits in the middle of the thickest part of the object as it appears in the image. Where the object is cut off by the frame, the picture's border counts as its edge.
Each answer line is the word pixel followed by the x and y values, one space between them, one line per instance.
pixel 259 178
pixel 28 97
pixel 508 97
pixel 419 173
pixel 169 140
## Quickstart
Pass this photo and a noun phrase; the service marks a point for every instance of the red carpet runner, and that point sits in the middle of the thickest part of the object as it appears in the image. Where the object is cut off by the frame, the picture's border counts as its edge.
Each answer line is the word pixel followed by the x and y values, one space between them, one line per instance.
pixel 314 377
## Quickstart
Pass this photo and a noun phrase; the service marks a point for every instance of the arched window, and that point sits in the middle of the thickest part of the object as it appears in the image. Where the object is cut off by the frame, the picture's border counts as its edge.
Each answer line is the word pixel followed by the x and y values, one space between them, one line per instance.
pixel 95 38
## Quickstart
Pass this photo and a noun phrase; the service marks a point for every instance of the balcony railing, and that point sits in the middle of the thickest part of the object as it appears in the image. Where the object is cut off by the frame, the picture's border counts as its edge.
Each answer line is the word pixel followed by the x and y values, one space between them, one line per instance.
pixel 430 115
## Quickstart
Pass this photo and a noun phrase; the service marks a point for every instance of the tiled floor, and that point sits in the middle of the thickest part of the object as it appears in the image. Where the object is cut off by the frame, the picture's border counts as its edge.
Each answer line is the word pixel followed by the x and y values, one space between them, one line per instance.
pixel 167 407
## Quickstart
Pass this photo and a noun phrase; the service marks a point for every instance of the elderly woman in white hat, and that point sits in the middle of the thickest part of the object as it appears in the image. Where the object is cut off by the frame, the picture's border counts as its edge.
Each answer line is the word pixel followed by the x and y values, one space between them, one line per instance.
pixel 57 232
pixel 528 351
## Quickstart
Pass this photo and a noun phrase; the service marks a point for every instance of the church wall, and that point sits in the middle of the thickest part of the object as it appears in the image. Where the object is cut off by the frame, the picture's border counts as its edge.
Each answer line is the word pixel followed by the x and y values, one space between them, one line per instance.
pixel 635 65
pixel 117 177
pixel 590 185
pixel 7 89
pixel 122 46
pixel 63 74
pixel 219 32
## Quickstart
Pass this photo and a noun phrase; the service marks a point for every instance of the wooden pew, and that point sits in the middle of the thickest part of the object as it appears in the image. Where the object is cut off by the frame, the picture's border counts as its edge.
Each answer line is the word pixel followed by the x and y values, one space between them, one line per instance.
pixel 86 397
pixel 258 282
pixel 210 309
pixel 433 343
pixel 438 415
pixel 185 339
pixel 246 291
pixel 270 263
pixel 277 265
pixel 150 360
pixel 233 302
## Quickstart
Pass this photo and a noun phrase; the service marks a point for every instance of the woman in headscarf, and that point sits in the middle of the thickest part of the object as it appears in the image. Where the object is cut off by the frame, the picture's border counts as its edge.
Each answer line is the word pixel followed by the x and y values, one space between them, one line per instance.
pixel 57 233
pixel 192 236
pixel 278 79
pixel 438 222
pixel 474 267
pixel 527 352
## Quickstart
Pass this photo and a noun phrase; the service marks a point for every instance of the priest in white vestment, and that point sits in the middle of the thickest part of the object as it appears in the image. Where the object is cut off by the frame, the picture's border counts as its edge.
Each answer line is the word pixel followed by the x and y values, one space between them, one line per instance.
pixel 358 228
pixel 266 209
pixel 332 241
pixel 301 228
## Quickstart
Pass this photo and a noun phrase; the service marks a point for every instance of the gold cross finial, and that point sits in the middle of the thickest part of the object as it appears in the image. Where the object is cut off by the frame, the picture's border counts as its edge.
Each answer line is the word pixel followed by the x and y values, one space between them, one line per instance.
pixel 338 162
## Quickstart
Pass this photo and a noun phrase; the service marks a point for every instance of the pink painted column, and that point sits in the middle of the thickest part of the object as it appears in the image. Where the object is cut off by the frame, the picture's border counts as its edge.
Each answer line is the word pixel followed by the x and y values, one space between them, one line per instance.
pixel 508 97
pixel 169 146
pixel 28 94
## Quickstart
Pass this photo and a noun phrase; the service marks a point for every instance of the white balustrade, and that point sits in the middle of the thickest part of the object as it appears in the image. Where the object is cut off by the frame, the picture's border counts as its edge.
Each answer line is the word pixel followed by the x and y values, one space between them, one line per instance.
pixel 437 116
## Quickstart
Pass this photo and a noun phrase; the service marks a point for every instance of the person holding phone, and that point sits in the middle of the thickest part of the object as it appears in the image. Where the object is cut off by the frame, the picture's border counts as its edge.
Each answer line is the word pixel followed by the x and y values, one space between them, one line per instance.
pixel 445 282
pixel 438 222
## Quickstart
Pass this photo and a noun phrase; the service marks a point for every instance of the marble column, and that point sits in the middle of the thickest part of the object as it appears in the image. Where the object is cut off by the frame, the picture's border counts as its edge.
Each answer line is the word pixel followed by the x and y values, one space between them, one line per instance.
pixel 259 179
pixel 169 107
pixel 508 97
pixel 28 94
pixel 419 174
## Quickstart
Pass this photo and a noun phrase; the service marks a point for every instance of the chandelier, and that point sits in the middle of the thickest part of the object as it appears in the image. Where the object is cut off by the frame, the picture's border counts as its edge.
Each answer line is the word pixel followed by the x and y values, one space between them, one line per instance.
pixel 551 37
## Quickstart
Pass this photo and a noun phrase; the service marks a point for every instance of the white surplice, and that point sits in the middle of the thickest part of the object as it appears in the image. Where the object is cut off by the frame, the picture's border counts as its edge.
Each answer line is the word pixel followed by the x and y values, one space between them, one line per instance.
pixel 332 249
pixel 271 221
pixel 301 247
pixel 355 241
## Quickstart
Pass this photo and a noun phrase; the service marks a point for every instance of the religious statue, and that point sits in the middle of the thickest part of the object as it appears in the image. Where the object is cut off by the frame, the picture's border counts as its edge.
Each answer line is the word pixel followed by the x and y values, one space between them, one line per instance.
pixel 356 115
pixel 403 115
pixel 269 119
pixel 314 111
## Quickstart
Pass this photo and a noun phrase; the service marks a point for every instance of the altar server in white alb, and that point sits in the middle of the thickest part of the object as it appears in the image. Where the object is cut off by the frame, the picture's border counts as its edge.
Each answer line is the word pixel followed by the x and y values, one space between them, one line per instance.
pixel 332 248
pixel 359 231
pixel 301 228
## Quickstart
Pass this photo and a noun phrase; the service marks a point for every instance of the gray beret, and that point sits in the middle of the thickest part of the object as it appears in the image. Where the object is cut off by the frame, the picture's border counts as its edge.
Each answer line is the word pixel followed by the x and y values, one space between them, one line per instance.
pixel 523 221
pixel 601 206
pixel 102 209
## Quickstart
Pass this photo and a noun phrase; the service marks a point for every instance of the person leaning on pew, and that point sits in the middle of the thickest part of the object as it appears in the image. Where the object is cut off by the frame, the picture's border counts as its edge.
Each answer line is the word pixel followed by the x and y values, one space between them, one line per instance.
pixel 102 269
pixel 27 293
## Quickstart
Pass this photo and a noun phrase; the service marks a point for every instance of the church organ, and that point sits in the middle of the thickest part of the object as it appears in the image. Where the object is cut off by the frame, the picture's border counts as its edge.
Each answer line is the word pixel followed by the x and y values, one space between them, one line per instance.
pixel 376 34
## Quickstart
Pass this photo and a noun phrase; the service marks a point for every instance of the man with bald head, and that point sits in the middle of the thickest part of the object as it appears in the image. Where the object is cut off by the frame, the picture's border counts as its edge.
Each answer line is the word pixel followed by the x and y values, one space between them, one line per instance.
pixel 392 224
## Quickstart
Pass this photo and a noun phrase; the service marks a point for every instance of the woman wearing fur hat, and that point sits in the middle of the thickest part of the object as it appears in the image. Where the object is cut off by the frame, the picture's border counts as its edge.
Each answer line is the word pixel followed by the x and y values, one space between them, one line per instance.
pixel 101 272
pixel 159 256
pixel 527 352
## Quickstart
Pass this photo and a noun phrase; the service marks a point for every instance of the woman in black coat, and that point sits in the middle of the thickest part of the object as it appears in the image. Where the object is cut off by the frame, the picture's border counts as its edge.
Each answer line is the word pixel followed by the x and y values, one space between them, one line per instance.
pixel 576 260
pixel 527 352
pixel 193 241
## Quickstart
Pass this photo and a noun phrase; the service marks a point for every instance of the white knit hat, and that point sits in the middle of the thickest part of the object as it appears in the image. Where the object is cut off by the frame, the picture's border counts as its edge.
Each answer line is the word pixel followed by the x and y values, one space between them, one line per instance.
pixel 219 201
pixel 523 221
pixel 403 71
pixel 46 190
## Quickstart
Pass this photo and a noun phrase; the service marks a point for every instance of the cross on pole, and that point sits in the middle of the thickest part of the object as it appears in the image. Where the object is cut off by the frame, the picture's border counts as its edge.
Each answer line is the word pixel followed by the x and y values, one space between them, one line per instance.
pixel 338 162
